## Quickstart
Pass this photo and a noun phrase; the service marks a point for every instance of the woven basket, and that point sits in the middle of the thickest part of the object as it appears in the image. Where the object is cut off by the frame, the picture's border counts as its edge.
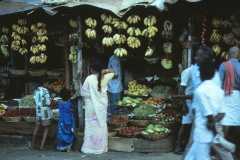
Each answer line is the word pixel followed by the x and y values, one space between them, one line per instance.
pixel 112 134
pixel 130 135
pixel 139 123
pixel 151 60
pixel 162 95
pixel 124 116
pixel 142 117
pixel 53 73
pixel 18 72
pixel 118 125
pixel 11 107
pixel 154 137
pixel 12 119
pixel 30 119
pixel 37 73
pixel 169 125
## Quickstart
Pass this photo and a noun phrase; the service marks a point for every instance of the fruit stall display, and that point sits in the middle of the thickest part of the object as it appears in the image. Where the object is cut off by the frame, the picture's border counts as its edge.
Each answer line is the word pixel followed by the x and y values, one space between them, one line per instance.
pixel 135 89
pixel 27 102
pixel 57 85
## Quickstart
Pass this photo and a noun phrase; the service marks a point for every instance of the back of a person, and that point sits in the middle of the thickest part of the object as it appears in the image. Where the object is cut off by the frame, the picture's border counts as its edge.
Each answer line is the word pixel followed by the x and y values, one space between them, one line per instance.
pixel 64 110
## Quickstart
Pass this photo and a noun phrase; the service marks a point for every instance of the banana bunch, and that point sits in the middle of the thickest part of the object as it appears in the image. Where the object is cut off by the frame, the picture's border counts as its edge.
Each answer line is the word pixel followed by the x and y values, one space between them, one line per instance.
pixel 150 31
pixel 22 30
pixel 15 27
pixel 118 39
pixel 167 25
pixel 22 51
pixel 34 28
pixel 107 28
pixel 217 49
pixel 41 32
pixel 22 22
pixel 149 52
pixel 225 56
pixel 119 24
pixel 91 22
pixel 227 24
pixel 106 19
pixel 73 37
pixel 16 36
pixel 224 37
pixel 216 22
pixel 23 41
pixel 34 39
pixel 34 48
pixel 4 30
pixel 91 33
pixel 107 41
pixel 134 31
pixel 150 20
pixel 4 50
pixel 119 52
pixel 167 47
pixel 166 63
pixel 4 39
pixel 133 19
pixel 216 37
pixel 167 34
pixel 41 25
pixel 38 59
pixel 15 45
pixel 73 23
pixel 42 48
pixel 133 42
pixel 43 58
pixel 73 53
pixel 42 39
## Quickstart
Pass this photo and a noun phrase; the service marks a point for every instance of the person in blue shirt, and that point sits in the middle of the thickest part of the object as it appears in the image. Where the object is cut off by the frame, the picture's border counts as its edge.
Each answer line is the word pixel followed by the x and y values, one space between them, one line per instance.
pixel 115 87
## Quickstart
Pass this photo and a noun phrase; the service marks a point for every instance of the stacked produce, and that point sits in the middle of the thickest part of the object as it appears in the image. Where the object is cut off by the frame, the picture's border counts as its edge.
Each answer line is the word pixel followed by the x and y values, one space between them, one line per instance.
pixel 144 110
pixel 13 113
pixel 128 101
pixel 39 31
pixel 54 105
pixel 117 119
pixel 154 101
pixel 129 130
pixel 57 85
pixel 155 129
pixel 136 89
pixel 204 29
pixel 4 41
pixel 73 40
pixel 27 102
pixel 18 43
pixel 167 115
pixel 122 111
pixel 90 32
pixel 163 90
pixel 12 102
pixel 2 109
pixel 29 112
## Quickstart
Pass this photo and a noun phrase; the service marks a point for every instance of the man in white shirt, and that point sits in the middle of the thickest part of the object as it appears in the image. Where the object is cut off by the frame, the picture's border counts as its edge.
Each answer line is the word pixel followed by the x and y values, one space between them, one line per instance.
pixel 209 110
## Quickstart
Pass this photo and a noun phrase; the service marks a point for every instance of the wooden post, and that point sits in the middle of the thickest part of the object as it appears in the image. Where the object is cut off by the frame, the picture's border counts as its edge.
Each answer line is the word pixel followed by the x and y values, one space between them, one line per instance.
pixel 66 52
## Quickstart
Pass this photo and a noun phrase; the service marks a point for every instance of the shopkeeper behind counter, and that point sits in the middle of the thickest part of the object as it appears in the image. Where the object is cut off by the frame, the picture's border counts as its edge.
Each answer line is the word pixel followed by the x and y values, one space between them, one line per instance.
pixel 115 87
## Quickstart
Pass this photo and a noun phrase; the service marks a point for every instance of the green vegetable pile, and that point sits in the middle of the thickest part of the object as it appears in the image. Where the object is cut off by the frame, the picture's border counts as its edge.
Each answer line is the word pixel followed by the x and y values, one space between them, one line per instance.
pixel 144 110
pixel 161 89
pixel 27 102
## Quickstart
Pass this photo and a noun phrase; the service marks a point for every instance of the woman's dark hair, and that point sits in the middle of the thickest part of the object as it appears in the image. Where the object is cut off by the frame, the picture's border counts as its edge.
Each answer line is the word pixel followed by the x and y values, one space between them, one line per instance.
pixel 42 80
pixel 96 65
pixel 207 70
pixel 208 53
pixel 65 94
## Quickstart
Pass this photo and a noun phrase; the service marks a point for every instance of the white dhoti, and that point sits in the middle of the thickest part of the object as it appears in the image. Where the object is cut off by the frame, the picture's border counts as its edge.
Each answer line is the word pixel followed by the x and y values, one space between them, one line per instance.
pixel 199 151
pixel 187 119
pixel 232 109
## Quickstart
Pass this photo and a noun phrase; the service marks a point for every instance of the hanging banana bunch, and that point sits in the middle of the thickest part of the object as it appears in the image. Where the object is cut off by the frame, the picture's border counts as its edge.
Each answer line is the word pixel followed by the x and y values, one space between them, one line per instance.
pixel 107 41
pixel 149 52
pixel 132 31
pixel 216 22
pixel 107 29
pixel 149 32
pixel 133 42
pixel 225 55
pixel 4 30
pixel 106 19
pixel 217 49
pixel 4 42
pixel 119 52
pixel 167 47
pixel 4 50
pixel 90 32
pixel 92 23
pixel 216 37
pixel 133 19
pixel 119 24
pixel 167 33
pixel 73 23
pixel 119 39
pixel 73 53
pixel 166 63
pixel 150 20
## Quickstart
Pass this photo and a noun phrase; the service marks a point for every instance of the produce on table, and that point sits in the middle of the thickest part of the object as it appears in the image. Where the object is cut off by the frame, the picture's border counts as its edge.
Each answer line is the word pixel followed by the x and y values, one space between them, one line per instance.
pixel 129 130
pixel 54 105
pixel 154 101
pixel 144 110
pixel 57 84
pixel 2 109
pixel 13 113
pixel 137 89
pixel 27 102
pixel 111 130
pixel 173 104
pixel 155 129
pixel 128 101
pixel 117 119
pixel 29 112
pixel 12 102
pixel 167 115
pixel 122 111
pixel 161 89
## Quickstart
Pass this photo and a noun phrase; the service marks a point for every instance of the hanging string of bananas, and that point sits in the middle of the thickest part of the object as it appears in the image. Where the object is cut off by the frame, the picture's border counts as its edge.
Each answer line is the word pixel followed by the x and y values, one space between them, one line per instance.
pixel 166 63
pixel 4 41
pixel 216 37
pixel 90 32
pixel 107 41
pixel 119 24
pixel 19 29
pixel 217 22
pixel 39 37
pixel 167 32
pixel 73 40
pixel 167 47
pixel 149 52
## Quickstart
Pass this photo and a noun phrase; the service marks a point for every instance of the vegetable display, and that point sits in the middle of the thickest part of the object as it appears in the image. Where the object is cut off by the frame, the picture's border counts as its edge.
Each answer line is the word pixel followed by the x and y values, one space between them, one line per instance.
pixel 155 129
pixel 154 101
pixel 144 110
pixel 13 113
pixel 117 119
pixel 167 115
pixel 29 112
pixel 161 89
pixel 128 101
pixel 27 102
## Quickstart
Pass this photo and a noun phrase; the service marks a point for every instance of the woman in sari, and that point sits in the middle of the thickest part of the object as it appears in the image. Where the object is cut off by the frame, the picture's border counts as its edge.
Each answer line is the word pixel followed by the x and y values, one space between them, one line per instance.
pixel 66 123
pixel 94 91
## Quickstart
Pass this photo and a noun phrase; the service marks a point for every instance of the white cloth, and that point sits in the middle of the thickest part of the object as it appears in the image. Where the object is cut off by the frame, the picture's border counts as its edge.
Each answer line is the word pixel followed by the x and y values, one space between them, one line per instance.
pixel 232 105
pixel 187 119
pixel 199 151
pixel 209 98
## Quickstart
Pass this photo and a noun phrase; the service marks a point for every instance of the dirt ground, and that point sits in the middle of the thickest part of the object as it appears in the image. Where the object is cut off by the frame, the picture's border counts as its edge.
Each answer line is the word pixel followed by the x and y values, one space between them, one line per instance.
pixel 21 152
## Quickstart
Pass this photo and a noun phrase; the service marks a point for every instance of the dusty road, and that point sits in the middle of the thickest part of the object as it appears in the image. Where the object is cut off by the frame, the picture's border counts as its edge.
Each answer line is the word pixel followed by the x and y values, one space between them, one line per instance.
pixel 21 152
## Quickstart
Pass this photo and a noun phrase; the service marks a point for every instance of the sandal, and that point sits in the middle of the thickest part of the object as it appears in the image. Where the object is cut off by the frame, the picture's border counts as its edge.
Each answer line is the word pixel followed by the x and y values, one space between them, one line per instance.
pixel 178 151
